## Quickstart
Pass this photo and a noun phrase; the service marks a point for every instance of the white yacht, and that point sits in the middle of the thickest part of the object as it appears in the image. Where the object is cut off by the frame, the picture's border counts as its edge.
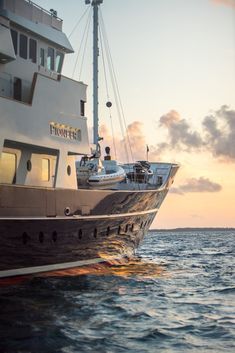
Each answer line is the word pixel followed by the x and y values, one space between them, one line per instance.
pixel 55 212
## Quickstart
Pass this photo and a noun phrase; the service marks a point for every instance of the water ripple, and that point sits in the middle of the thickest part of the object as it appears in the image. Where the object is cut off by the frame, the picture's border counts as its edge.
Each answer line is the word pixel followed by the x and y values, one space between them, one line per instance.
pixel 176 296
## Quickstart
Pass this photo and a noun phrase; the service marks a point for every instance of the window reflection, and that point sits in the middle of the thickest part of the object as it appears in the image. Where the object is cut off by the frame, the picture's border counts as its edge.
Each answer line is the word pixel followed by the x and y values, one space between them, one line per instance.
pixel 7 168
pixel 45 169
pixel 42 57
pixel 59 61
pixel 50 59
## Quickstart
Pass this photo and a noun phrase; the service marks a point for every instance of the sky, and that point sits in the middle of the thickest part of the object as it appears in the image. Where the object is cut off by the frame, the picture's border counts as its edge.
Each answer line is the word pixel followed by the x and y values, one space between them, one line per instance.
pixel 174 62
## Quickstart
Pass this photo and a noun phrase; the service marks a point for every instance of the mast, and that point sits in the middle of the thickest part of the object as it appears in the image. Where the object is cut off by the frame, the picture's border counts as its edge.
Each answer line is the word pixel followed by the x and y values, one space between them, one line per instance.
pixel 95 4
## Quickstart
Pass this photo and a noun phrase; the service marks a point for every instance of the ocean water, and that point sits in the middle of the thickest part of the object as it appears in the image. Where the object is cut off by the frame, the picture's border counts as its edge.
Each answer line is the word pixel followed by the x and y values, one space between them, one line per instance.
pixel 176 295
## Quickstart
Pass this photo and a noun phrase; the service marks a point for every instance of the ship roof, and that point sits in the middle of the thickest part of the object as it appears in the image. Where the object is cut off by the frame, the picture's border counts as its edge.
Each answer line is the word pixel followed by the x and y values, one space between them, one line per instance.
pixel 51 33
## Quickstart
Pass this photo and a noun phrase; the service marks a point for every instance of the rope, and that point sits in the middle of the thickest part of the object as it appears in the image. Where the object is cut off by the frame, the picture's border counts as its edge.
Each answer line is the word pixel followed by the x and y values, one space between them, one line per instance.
pixel 77 24
pixel 107 92
pixel 116 92
pixel 85 46
pixel 85 32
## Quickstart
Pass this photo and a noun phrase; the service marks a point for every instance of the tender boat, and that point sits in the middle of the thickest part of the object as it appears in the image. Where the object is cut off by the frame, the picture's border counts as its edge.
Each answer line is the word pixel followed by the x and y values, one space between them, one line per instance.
pixel 57 212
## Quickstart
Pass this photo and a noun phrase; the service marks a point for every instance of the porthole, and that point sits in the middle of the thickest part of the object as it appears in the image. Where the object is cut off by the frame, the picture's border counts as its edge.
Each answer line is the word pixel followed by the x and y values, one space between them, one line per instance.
pixel 108 231
pixel 132 227
pixel 126 228
pixel 67 211
pixel 41 237
pixel 29 165
pixel 95 233
pixel 54 236
pixel 25 237
pixel 80 234
pixel 119 230
pixel 69 170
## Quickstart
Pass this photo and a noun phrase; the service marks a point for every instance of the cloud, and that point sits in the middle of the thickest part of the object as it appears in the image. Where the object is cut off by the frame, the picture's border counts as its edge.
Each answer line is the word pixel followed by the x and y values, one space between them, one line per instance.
pixel 230 3
pixel 137 139
pixel 197 185
pixel 220 133
pixel 217 136
pixel 132 144
pixel 180 134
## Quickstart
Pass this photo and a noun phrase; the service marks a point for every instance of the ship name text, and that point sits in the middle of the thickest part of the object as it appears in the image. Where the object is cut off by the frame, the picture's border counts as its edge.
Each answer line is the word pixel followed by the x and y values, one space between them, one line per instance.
pixel 65 131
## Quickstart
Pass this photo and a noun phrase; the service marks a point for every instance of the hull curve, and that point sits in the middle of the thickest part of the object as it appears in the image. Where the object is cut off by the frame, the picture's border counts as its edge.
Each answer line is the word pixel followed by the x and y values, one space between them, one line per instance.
pixel 38 244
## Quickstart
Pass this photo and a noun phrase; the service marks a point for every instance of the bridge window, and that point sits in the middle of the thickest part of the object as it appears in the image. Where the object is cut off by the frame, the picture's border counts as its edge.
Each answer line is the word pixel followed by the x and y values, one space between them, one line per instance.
pixel 14 36
pixel 8 168
pixel 59 61
pixel 50 59
pixel 45 169
pixel 42 57
pixel 33 50
pixel 23 46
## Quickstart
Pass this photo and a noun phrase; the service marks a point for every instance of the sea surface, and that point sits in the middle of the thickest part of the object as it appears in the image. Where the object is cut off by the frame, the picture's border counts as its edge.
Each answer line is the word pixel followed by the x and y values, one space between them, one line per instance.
pixel 176 295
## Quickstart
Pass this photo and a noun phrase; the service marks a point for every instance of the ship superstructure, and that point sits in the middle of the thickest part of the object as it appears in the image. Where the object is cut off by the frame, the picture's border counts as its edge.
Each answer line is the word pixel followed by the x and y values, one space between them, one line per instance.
pixel 54 214
pixel 43 124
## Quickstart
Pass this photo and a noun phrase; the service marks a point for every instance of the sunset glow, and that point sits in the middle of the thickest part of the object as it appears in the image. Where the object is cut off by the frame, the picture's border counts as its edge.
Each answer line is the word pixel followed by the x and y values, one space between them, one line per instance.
pixel 175 62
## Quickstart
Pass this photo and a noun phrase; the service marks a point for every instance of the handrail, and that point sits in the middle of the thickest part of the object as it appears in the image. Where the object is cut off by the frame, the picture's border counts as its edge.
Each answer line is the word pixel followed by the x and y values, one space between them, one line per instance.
pixel 44 10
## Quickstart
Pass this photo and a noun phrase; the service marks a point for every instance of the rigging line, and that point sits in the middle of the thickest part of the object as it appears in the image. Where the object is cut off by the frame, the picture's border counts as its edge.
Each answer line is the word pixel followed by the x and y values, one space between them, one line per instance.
pixel 85 46
pixel 114 84
pixel 107 91
pixel 118 92
pixel 82 40
pixel 103 61
pixel 119 113
pixel 77 24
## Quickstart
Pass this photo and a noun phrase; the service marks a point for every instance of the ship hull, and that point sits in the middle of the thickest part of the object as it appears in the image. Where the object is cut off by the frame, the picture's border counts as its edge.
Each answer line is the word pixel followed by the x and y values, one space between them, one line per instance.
pixel 43 229
pixel 39 244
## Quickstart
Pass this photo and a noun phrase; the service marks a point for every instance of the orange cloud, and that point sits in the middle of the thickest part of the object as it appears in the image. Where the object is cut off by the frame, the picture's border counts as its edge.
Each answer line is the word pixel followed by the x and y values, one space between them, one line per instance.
pixel 133 143
pixel 230 3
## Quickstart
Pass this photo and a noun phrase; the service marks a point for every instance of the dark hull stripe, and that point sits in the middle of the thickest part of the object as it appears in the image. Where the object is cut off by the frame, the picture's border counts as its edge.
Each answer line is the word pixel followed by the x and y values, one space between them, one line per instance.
pixel 53 267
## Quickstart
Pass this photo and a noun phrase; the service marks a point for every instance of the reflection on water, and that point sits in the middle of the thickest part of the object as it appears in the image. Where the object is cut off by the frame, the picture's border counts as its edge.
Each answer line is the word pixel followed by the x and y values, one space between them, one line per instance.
pixel 124 267
pixel 178 297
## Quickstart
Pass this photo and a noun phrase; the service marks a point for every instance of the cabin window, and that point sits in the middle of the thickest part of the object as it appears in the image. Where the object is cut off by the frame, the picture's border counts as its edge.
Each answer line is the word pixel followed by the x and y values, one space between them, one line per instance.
pixel 42 57
pixel 45 169
pixel 50 59
pixel 8 168
pixel 33 50
pixel 59 61
pixel 14 36
pixel 17 93
pixel 23 46
pixel 82 107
